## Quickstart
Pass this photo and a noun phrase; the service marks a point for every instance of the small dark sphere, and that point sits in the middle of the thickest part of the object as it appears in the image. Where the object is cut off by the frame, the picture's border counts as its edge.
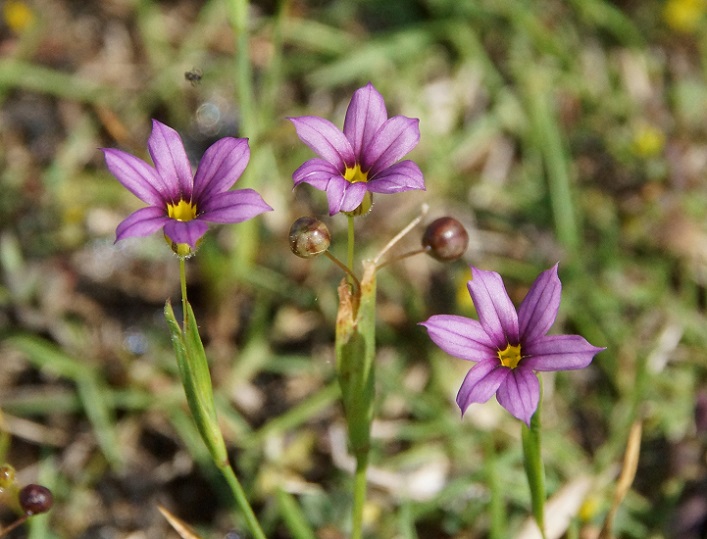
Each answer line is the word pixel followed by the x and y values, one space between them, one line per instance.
pixel 445 239
pixel 35 499
pixel 309 237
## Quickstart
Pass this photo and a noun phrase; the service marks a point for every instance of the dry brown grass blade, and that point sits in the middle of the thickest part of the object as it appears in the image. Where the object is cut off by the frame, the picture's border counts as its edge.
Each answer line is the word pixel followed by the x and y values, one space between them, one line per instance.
pixel 181 527
pixel 628 473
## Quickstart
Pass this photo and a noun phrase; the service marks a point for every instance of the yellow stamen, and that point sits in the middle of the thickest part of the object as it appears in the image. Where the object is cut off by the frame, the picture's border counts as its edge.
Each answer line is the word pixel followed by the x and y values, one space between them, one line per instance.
pixel 510 356
pixel 182 211
pixel 355 174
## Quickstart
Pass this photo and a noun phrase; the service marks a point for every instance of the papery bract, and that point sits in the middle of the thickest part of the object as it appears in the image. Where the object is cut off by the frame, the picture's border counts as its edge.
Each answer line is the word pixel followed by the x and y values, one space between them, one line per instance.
pixel 509 346
pixel 364 157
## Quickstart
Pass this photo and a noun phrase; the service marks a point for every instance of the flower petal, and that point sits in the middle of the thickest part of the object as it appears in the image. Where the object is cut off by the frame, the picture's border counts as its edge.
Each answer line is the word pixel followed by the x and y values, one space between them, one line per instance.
pixel 222 164
pixel 539 309
pixel 365 114
pixel 136 176
pixel 167 151
pixel 344 196
pixel 496 312
pixel 325 139
pixel 316 172
pixel 403 176
pixel 352 197
pixel 520 394
pixel 460 337
pixel 234 206
pixel 142 223
pixel 395 138
pixel 481 382
pixel 559 353
pixel 188 232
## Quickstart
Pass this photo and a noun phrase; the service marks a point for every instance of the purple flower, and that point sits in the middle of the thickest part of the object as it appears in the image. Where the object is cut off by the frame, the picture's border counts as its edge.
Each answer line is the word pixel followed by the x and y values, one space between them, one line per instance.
pixel 181 204
pixel 509 346
pixel 364 157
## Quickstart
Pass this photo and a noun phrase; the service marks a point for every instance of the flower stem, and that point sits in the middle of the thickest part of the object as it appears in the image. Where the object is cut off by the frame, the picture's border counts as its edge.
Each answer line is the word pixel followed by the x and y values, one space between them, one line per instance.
pixel 183 282
pixel 355 369
pixel 402 257
pixel 350 253
pixel 190 380
pixel 400 235
pixel 14 525
pixel 534 470
pixel 359 500
pixel 351 275
pixel 241 500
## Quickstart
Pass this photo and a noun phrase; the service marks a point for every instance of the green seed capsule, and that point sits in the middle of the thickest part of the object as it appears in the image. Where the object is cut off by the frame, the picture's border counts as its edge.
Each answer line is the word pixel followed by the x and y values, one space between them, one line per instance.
pixel 445 239
pixel 309 237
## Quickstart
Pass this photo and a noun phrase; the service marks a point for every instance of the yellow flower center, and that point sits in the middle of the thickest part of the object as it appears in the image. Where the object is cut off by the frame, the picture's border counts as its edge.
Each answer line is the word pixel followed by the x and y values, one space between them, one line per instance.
pixel 510 356
pixel 355 174
pixel 182 211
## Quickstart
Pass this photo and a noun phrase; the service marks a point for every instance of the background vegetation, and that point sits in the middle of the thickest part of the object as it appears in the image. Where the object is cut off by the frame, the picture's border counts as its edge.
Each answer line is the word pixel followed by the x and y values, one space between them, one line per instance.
pixel 555 130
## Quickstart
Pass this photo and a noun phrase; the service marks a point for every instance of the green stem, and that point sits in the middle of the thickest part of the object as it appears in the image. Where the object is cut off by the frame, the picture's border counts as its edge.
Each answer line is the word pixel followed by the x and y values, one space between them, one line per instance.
pixel 355 366
pixel 533 463
pixel 359 500
pixel 347 270
pixel 241 500
pixel 350 254
pixel 183 282
pixel 222 463
pixel 497 528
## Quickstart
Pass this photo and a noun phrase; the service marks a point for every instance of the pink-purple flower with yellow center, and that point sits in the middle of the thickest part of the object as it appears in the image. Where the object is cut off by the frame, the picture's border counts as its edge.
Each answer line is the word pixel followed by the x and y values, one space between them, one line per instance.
pixel 362 159
pixel 181 203
pixel 509 346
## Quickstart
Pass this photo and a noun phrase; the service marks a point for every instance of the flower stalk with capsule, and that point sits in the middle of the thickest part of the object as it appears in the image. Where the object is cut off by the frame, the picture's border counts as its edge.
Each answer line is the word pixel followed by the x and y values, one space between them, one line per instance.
pixel 355 330
pixel 182 205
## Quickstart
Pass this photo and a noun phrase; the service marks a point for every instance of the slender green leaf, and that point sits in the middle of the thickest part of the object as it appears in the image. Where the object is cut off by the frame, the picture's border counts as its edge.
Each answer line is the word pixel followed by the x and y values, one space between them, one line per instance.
pixel 194 372
pixel 293 516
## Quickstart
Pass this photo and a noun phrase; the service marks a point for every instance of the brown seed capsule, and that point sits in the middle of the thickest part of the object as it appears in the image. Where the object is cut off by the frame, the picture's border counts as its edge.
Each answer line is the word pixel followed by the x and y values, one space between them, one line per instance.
pixel 35 499
pixel 309 237
pixel 445 239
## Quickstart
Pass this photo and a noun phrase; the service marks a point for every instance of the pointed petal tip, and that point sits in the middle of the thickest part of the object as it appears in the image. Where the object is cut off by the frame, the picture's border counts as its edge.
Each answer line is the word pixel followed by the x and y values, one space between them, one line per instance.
pixel 462 409
pixel 522 414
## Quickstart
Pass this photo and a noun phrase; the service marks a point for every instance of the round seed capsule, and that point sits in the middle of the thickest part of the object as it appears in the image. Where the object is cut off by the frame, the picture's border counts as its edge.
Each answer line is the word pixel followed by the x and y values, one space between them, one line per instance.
pixel 309 237
pixel 445 239
pixel 35 499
